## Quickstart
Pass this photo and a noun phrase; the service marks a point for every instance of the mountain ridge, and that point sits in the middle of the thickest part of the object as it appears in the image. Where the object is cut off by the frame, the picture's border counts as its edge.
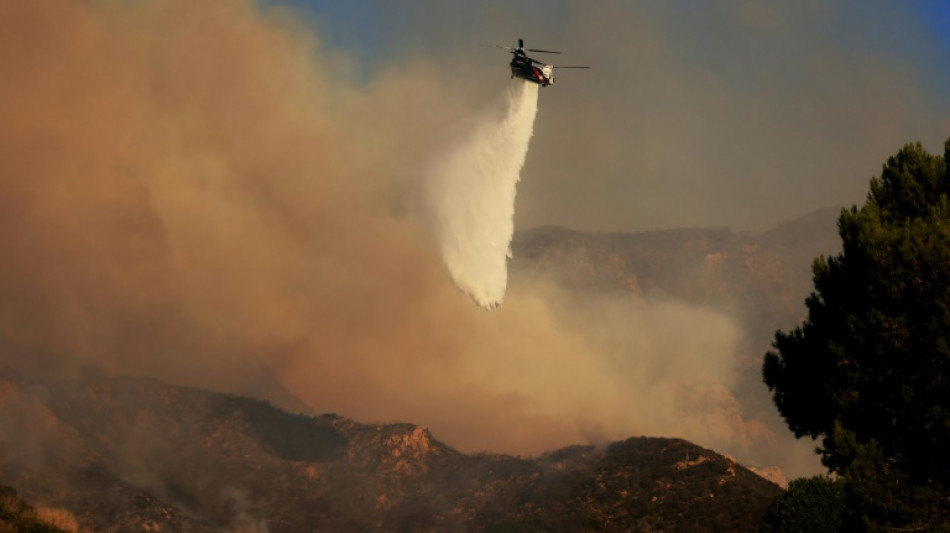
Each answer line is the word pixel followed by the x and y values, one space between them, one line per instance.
pixel 125 454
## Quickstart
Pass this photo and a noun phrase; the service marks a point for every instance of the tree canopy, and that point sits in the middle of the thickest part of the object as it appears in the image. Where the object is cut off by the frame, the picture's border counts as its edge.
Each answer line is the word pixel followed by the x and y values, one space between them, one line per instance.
pixel 868 372
pixel 810 504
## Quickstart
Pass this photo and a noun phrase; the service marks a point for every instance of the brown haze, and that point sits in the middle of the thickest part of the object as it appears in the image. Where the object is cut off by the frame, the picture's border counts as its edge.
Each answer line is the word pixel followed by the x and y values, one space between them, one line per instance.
pixel 191 189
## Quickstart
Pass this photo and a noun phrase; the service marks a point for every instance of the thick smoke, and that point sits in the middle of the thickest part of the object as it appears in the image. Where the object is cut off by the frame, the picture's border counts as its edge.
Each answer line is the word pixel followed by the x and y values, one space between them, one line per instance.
pixel 196 190
pixel 471 197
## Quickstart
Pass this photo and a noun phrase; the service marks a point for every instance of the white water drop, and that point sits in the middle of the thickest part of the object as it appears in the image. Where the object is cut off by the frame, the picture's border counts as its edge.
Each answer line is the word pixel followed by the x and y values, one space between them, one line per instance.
pixel 471 197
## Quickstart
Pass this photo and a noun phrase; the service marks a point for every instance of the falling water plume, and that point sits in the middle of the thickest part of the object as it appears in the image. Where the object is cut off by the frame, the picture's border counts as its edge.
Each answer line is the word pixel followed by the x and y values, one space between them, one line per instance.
pixel 471 197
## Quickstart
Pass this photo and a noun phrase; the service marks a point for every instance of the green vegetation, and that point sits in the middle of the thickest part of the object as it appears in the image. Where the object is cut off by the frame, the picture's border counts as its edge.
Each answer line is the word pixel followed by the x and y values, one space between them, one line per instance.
pixel 815 505
pixel 868 372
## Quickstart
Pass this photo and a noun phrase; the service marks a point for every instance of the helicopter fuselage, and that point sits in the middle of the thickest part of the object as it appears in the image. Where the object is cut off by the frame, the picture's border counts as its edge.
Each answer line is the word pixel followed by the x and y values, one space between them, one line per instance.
pixel 531 70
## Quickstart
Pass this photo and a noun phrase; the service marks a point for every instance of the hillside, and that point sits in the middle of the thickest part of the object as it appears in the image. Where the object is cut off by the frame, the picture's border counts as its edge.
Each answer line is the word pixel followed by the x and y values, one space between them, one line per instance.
pixel 137 454
pixel 16 516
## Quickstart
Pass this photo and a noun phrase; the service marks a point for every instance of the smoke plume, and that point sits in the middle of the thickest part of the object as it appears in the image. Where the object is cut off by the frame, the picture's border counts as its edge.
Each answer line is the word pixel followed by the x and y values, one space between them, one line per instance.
pixel 196 190
pixel 471 197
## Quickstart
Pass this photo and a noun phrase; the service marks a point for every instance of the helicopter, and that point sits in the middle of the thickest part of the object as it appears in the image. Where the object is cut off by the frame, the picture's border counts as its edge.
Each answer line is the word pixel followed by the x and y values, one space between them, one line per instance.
pixel 524 67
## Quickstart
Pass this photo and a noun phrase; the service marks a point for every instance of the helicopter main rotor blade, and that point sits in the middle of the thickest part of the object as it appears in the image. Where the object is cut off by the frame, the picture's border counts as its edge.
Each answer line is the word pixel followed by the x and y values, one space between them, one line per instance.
pixel 543 51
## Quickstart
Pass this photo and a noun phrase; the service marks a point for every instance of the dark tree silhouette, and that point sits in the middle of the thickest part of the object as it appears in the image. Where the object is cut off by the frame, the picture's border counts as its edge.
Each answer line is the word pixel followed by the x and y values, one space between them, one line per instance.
pixel 868 372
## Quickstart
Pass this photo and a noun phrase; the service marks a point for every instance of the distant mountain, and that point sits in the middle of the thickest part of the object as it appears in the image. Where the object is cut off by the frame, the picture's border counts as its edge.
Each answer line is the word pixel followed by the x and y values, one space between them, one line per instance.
pixel 140 455
pixel 764 278
pixel 799 241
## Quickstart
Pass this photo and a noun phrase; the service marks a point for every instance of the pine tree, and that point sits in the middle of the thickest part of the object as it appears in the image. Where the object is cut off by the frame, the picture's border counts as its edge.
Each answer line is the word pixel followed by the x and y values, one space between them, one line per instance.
pixel 868 372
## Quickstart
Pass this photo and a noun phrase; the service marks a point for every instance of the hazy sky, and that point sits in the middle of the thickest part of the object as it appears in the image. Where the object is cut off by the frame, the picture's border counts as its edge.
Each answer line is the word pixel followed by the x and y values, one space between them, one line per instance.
pixel 740 114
